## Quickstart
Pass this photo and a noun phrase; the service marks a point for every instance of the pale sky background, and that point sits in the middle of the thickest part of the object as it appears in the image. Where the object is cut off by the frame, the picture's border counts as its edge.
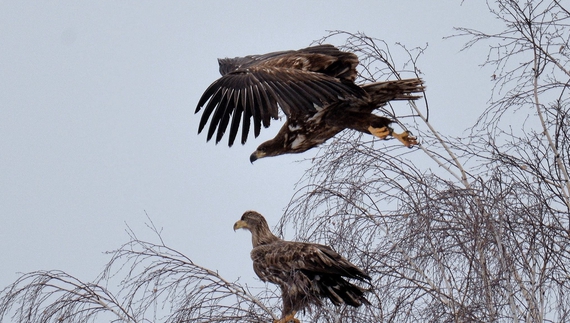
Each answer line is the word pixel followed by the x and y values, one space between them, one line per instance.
pixel 97 119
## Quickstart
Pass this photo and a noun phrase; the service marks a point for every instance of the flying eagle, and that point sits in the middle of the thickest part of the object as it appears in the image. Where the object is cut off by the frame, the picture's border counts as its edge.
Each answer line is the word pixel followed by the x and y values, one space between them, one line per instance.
pixel 306 272
pixel 315 89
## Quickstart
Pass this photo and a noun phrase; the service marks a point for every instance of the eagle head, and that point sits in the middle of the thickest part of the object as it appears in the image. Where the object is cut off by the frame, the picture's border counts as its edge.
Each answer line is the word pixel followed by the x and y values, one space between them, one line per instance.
pixel 250 220
pixel 256 224
pixel 266 149
pixel 285 142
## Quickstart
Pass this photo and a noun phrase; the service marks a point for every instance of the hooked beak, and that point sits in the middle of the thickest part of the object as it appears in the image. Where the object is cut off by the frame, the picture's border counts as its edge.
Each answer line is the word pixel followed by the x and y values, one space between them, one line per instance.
pixel 256 155
pixel 240 225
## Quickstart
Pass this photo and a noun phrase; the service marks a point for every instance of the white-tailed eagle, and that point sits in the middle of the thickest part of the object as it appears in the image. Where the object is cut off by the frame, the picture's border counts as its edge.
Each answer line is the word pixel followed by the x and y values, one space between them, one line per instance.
pixel 315 89
pixel 305 272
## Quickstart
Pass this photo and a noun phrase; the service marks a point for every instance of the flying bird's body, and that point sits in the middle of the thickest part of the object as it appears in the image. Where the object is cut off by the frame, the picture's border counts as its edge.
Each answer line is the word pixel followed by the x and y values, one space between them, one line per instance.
pixel 305 272
pixel 315 89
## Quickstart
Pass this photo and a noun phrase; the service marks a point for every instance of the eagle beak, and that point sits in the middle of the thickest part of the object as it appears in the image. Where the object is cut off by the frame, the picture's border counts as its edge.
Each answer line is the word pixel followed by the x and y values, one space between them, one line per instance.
pixel 256 155
pixel 240 224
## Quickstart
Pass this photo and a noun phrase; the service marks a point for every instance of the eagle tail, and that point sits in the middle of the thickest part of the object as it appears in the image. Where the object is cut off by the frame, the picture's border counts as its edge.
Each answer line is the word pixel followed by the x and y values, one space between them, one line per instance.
pixel 382 92
pixel 340 291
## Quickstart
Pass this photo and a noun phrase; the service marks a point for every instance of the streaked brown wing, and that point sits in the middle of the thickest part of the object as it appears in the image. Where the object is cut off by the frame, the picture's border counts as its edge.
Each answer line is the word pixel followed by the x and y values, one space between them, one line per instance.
pixel 326 59
pixel 285 257
pixel 259 91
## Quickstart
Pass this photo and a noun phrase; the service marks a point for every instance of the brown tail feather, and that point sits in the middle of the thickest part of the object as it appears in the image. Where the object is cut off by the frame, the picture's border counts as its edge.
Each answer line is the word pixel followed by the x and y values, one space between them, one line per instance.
pixel 339 291
pixel 382 92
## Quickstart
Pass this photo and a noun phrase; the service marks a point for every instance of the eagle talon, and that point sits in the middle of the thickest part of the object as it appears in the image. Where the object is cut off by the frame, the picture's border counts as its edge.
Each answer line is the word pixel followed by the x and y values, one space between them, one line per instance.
pixel 289 318
pixel 381 133
pixel 405 138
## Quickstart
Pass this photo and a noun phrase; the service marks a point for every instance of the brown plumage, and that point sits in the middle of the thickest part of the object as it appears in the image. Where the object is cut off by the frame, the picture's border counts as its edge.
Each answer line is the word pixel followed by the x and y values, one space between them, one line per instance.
pixel 315 89
pixel 305 272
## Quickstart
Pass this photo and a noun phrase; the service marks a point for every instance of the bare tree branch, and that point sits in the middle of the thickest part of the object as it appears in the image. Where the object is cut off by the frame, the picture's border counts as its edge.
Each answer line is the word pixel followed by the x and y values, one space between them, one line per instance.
pixel 484 236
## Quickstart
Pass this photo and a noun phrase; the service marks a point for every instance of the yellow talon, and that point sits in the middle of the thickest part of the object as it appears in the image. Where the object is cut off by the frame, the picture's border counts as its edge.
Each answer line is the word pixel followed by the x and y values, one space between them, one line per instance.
pixel 381 133
pixel 289 318
pixel 403 137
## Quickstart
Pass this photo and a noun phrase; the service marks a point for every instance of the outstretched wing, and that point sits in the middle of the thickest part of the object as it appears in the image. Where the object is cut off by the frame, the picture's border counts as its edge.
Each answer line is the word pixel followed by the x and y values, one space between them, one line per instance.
pixel 255 87
pixel 325 59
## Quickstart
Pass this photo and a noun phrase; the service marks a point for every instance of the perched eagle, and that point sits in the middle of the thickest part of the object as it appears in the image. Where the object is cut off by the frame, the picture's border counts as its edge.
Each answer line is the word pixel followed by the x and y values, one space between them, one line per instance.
pixel 315 89
pixel 306 272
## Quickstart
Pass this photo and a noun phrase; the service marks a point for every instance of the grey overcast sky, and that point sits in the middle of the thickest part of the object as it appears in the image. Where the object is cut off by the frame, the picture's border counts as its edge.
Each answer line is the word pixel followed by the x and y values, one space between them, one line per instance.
pixel 97 121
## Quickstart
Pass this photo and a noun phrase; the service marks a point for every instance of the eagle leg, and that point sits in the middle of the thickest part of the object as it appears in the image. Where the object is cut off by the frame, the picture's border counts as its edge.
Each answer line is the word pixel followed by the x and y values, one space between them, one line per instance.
pixel 403 137
pixel 289 318
pixel 381 132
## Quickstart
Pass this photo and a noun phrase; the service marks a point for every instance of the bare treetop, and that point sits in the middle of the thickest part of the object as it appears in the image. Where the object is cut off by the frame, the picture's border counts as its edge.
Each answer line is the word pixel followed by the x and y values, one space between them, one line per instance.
pixel 475 229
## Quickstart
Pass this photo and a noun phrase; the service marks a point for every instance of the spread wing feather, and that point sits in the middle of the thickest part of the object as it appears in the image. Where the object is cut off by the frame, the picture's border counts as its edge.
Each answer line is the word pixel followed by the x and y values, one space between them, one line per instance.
pixel 224 114
pixel 216 95
pixel 235 123
pixel 227 112
pixel 269 108
pixel 218 112
pixel 311 93
pixel 260 92
pixel 298 96
pixel 247 114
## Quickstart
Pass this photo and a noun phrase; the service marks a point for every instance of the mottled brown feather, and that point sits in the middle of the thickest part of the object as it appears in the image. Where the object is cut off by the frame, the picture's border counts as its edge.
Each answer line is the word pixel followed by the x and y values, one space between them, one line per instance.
pixel 294 81
pixel 305 272
pixel 314 87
